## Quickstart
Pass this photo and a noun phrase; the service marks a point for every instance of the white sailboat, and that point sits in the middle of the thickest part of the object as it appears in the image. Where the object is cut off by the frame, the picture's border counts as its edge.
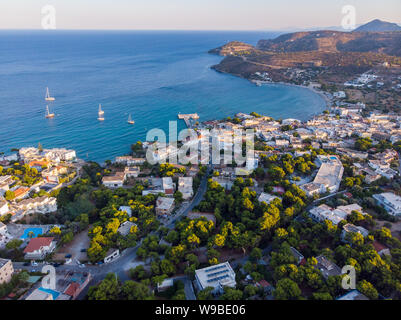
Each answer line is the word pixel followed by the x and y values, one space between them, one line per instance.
pixel 100 113
pixel 48 97
pixel 48 114
pixel 130 121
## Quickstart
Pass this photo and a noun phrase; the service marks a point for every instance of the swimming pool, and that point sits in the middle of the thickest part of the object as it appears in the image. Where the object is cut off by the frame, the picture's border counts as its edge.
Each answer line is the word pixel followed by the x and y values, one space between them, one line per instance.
pixel 55 294
pixel 35 231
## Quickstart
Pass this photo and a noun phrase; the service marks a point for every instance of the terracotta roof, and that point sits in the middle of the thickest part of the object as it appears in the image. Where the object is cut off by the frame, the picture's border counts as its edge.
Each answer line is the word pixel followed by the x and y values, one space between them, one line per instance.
pixel 36 163
pixel 72 289
pixel 37 243
pixel 264 283
pixel 20 191
pixel 378 246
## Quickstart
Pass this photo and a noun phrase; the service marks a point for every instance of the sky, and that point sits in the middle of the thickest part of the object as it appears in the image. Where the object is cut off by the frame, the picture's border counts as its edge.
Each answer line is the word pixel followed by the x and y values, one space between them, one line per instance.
pixel 193 14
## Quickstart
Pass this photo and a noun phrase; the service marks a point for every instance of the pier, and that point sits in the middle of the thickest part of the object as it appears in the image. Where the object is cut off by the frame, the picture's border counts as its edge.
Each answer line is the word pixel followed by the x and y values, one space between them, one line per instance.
pixel 189 118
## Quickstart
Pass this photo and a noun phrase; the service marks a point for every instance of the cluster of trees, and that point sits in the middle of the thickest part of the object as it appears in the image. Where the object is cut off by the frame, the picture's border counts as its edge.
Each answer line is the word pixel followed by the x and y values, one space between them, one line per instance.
pixel 88 202
pixel 375 274
pixel 18 280
pixel 104 232
pixel 22 173
pixel 168 170
pixel 112 289
pixel 363 144
pixel 179 256
pixel 286 165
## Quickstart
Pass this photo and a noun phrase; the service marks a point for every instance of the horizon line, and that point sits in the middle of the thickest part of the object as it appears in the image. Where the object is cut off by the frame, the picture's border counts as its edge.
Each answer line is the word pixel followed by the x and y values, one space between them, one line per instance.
pixel 184 30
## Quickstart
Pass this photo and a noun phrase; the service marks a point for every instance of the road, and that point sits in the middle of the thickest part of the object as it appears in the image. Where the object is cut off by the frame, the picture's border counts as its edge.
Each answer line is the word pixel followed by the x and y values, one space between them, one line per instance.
pixel 330 196
pixel 194 202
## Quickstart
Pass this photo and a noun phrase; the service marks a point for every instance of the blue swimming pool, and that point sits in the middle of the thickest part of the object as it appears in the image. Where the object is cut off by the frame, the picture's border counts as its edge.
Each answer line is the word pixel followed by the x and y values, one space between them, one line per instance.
pixel 35 231
pixel 55 294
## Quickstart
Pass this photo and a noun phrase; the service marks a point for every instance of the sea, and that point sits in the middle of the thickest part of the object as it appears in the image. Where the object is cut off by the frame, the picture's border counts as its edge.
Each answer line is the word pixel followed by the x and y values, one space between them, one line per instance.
pixel 152 75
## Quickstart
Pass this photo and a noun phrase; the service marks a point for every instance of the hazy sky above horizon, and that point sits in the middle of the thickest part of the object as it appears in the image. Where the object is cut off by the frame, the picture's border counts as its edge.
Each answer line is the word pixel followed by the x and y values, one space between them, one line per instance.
pixel 194 14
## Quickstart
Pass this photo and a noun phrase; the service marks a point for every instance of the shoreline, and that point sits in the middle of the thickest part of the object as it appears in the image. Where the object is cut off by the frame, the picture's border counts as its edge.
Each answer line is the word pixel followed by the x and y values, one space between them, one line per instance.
pixel 322 94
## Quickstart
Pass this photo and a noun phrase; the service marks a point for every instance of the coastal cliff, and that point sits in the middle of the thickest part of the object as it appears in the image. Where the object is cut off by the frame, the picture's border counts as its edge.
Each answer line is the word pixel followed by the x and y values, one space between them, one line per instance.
pixel 328 58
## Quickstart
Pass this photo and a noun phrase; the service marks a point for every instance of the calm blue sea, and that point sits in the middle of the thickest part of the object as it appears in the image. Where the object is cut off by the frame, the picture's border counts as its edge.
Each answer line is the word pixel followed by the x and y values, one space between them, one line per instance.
pixel 153 75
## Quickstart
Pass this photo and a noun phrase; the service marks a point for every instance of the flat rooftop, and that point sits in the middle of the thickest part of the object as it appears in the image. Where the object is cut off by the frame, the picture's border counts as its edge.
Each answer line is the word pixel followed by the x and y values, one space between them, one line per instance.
pixel 221 274
pixel 329 174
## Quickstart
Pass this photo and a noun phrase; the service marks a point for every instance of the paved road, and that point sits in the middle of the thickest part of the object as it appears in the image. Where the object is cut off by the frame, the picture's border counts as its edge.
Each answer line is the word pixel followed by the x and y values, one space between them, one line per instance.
pixel 330 196
pixel 194 202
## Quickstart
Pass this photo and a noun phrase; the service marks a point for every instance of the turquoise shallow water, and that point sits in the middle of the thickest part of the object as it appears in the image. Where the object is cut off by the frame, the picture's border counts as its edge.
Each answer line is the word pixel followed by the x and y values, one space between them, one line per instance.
pixel 152 75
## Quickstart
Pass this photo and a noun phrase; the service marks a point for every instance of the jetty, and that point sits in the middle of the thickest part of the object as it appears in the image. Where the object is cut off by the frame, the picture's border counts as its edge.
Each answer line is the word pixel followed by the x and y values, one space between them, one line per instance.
pixel 189 118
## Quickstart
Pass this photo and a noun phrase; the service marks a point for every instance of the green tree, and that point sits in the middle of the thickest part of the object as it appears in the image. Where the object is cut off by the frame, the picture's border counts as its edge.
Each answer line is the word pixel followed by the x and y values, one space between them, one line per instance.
pixel 108 289
pixel 132 290
pixel 286 289
pixel 368 289
pixel 231 294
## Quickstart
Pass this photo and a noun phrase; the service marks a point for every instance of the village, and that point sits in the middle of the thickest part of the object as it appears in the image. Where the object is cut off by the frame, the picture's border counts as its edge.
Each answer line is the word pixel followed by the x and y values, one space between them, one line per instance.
pixel 209 227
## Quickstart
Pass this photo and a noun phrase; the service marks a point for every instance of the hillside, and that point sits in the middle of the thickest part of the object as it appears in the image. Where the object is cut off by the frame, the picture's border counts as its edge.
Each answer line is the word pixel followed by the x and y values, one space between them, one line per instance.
pixel 378 26
pixel 234 47
pixel 328 41
pixel 332 59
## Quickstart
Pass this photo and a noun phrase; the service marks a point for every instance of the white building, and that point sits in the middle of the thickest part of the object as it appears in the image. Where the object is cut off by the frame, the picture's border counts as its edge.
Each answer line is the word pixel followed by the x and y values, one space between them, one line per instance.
pixel 339 95
pixel 390 202
pixel 5 236
pixel 5 182
pixel 38 248
pixel 328 177
pixel 132 172
pixel 168 186
pixel 164 206
pixel 185 187
pixel 114 181
pixel 350 228
pixel 267 198
pixel 6 270
pixel 217 277
pixel 53 155
pixel 62 154
pixel 324 212
pixel 130 161
pixel 3 208
pixel 42 205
